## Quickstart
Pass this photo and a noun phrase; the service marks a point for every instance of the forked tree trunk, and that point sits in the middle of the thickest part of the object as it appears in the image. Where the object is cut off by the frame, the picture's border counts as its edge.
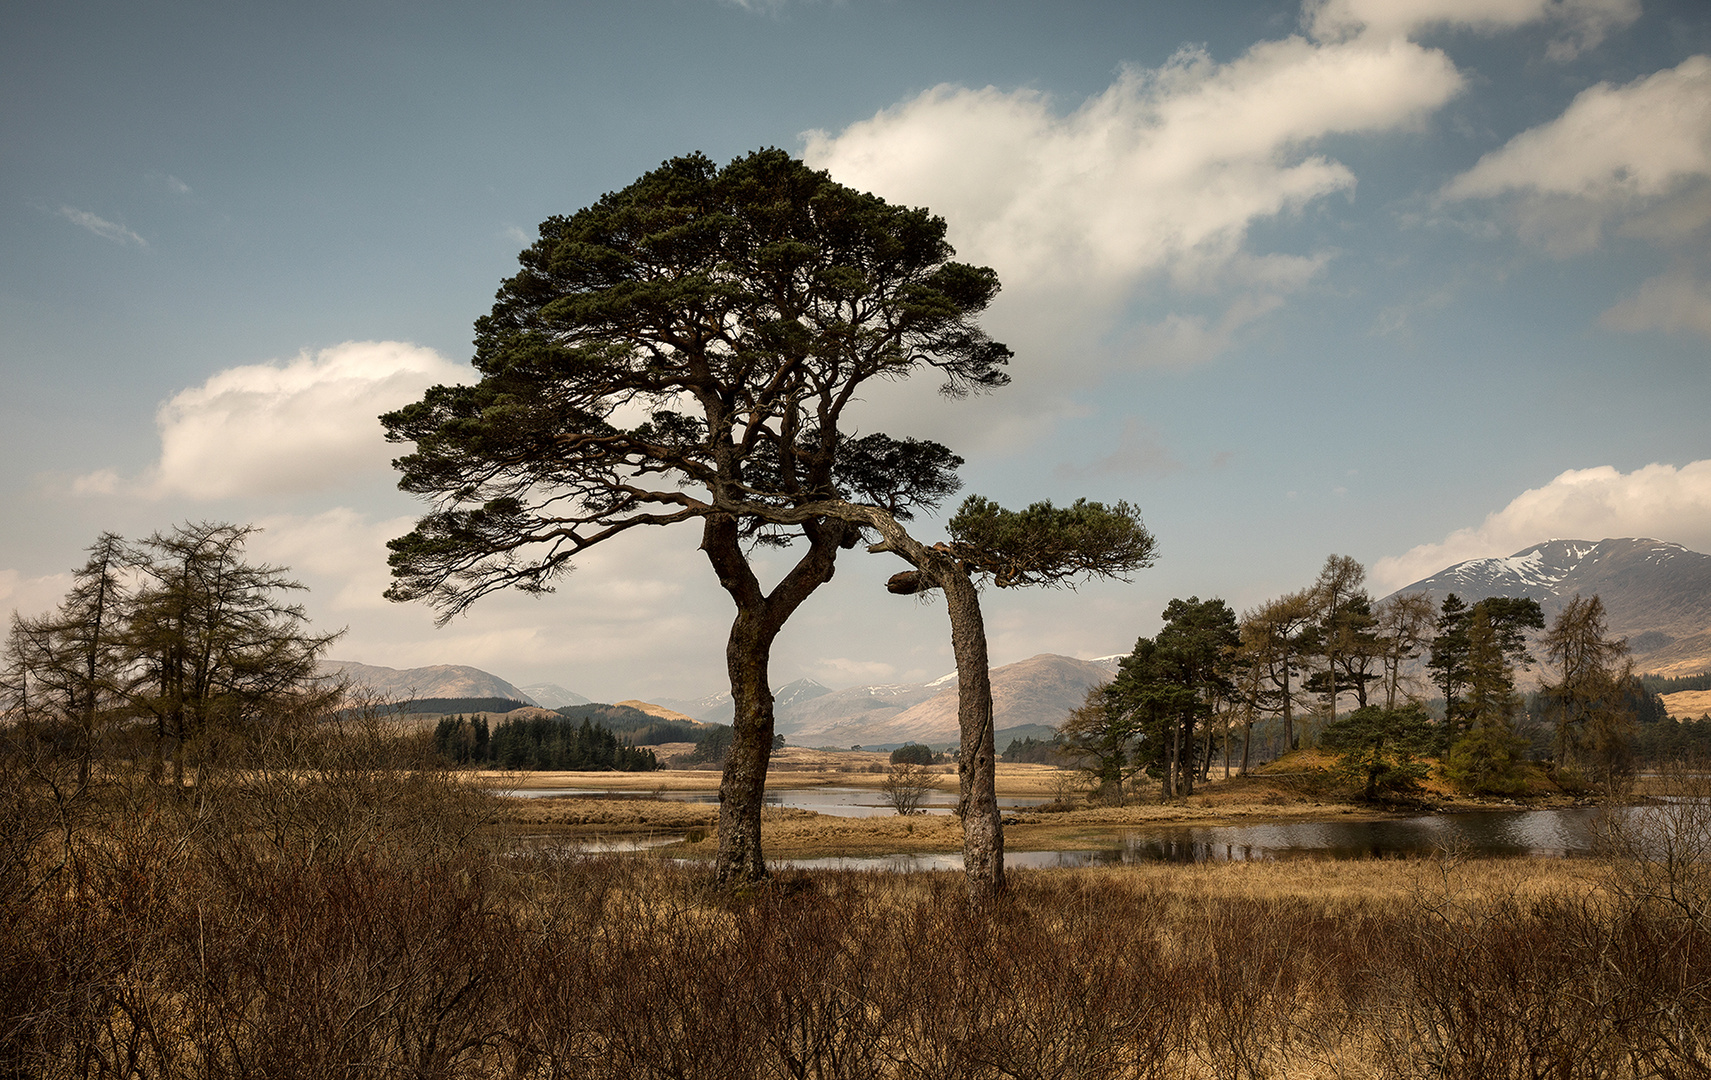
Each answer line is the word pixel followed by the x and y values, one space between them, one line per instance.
pixel 935 568
pixel 748 654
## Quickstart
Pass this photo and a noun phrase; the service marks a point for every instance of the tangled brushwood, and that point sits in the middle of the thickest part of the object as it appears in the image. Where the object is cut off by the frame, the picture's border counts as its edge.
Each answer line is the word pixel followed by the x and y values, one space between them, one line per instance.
pixel 340 918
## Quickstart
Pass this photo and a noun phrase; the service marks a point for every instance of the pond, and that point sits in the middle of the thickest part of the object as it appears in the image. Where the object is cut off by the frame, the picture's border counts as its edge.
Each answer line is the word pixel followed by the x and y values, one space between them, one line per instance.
pixel 1537 833
pixel 834 801
pixel 1564 833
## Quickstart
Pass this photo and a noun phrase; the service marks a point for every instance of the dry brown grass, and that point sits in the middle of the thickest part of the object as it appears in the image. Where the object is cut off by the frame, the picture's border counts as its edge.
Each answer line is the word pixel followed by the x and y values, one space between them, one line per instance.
pixel 1688 704
pixel 329 918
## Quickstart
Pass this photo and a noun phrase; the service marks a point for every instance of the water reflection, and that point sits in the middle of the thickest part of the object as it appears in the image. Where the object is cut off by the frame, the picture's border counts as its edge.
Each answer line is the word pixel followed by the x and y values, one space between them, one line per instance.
pixel 1536 833
pixel 1556 833
pixel 832 801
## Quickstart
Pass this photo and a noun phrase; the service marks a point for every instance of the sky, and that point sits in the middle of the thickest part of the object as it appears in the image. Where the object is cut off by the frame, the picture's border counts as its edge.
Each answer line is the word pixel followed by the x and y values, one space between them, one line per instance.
pixel 1415 281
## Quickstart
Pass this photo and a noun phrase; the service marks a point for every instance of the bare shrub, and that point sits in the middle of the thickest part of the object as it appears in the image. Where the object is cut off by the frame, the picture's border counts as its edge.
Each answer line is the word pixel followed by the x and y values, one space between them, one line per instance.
pixel 1660 852
pixel 906 785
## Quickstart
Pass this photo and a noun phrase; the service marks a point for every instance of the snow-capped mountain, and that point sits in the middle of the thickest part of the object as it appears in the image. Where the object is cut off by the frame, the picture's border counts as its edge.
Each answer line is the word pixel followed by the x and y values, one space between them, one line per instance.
pixel 714 708
pixel 1655 593
pixel 1041 690
pixel 553 696
pixel 794 695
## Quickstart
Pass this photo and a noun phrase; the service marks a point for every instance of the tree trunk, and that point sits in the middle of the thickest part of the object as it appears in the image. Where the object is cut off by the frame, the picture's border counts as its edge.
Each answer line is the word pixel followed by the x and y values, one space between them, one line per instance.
pixel 1170 761
pixel 935 567
pixel 742 787
pixel 977 802
pixel 748 654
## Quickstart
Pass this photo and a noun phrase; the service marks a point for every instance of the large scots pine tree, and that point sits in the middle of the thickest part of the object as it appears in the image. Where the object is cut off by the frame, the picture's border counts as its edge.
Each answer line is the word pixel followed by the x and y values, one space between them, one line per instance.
pixel 681 350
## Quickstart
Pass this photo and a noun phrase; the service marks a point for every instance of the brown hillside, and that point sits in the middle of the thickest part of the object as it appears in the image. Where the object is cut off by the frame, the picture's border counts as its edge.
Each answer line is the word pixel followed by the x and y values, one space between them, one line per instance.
pixel 655 710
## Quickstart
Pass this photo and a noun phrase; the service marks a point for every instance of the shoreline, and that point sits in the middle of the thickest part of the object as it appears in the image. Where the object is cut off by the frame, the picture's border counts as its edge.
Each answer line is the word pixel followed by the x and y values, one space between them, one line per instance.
pixel 691 829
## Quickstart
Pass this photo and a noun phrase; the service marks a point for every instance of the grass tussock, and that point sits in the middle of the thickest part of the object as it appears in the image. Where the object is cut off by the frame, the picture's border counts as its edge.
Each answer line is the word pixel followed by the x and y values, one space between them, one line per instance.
pixel 343 922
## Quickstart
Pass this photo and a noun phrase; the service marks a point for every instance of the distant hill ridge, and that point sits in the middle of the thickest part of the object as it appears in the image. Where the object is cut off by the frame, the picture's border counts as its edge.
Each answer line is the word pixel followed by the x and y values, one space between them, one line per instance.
pixel 436 681
pixel 1029 696
pixel 1656 594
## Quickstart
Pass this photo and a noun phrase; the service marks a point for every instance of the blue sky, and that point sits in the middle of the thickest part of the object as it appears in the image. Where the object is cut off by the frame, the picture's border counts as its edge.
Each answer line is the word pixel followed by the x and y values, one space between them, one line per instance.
pixel 1409 280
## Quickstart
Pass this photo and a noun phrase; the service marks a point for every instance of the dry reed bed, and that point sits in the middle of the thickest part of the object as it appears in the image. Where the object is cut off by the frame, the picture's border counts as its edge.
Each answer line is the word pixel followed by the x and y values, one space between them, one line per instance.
pixel 233 933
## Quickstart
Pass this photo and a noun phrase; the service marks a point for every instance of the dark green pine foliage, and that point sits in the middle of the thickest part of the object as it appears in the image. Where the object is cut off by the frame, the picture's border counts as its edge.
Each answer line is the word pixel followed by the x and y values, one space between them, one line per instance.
pixel 1451 660
pixel 1380 748
pixel 737 310
pixel 462 741
pixel 1168 688
pixel 539 742
pixel 1488 758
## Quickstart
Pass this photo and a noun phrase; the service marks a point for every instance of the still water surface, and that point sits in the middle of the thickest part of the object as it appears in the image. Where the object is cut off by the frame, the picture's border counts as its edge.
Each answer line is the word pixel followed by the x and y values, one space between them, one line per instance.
pixel 1514 833
pixel 1539 833
pixel 834 801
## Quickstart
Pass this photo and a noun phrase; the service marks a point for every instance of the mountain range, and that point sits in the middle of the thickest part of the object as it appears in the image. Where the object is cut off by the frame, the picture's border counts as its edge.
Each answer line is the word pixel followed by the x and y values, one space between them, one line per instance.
pixel 436 681
pixel 1034 694
pixel 1656 594
pixel 553 696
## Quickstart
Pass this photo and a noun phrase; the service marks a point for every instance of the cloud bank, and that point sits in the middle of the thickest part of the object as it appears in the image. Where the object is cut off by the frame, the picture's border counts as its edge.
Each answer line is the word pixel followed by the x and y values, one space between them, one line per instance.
pixel 1634 157
pixel 1583 23
pixel 1673 302
pixel 1165 171
pixel 1659 501
pixel 282 428
pixel 31 595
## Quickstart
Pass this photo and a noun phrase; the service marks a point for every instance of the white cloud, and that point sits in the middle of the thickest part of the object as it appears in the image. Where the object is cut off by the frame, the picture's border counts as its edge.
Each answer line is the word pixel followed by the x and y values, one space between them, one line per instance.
pixel 101 227
pixel 1615 152
pixel 1674 301
pixel 1148 189
pixel 1167 165
pixel 1658 501
pixel 29 596
pixel 340 549
pixel 1585 22
pixel 644 606
pixel 305 424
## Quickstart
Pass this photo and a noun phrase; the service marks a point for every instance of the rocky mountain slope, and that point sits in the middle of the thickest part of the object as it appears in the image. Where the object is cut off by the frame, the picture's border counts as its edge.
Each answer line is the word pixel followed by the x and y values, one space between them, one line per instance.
pixel 437 681
pixel 1040 690
pixel 1656 594
pixel 553 696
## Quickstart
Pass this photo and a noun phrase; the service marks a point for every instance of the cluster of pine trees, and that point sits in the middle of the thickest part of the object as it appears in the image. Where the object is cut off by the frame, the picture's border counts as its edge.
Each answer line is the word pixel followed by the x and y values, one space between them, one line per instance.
pixel 538 742
pixel 1199 687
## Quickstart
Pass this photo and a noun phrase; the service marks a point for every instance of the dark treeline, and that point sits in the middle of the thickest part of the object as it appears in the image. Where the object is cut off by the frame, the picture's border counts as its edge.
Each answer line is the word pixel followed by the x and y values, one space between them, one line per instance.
pixel 635 726
pixel 1032 751
pixel 450 705
pixel 1658 684
pixel 538 742
pixel 462 706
